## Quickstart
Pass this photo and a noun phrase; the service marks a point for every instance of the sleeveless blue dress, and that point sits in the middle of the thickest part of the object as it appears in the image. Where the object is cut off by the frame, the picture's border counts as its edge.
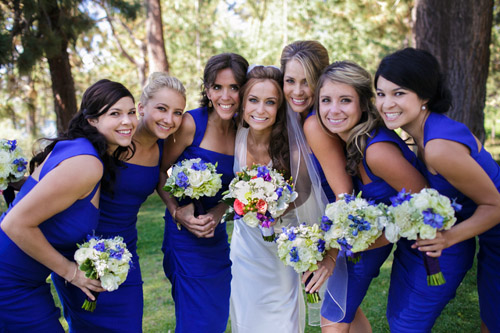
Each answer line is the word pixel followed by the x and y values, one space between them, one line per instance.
pixel 413 306
pixel 26 304
pixel 199 268
pixel 361 274
pixel 122 309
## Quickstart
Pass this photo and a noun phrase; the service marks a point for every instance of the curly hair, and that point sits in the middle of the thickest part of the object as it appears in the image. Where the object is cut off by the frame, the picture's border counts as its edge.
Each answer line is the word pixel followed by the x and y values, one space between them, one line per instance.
pixel 96 101
pixel 352 74
pixel 279 153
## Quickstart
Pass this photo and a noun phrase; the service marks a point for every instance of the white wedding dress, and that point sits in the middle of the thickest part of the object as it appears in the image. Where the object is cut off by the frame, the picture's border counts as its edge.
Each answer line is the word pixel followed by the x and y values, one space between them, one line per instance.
pixel 266 295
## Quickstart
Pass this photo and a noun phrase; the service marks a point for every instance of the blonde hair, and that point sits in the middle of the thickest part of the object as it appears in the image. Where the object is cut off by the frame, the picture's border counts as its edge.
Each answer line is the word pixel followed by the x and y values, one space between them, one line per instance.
pixel 352 74
pixel 312 55
pixel 159 80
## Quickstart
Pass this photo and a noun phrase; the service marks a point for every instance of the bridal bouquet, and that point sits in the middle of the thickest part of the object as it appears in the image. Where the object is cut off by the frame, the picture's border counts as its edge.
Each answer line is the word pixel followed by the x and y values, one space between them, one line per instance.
pixel 352 224
pixel 107 260
pixel 194 178
pixel 420 215
pixel 258 196
pixel 302 247
pixel 12 163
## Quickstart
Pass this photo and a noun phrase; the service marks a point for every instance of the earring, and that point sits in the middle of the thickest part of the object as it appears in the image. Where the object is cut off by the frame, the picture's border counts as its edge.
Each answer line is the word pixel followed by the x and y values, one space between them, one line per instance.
pixel 210 103
pixel 424 107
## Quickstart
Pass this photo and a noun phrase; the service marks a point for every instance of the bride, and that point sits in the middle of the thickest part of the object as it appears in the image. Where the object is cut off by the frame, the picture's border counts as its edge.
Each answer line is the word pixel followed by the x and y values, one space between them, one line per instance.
pixel 265 294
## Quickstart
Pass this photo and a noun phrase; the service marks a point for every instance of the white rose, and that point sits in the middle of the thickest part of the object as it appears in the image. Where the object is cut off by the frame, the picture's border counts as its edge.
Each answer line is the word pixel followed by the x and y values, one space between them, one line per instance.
pixel 110 282
pixel 251 219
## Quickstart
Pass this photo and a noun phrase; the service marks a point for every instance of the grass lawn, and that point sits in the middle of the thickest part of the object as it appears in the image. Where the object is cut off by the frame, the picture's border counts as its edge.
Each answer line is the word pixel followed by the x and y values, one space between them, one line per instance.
pixel 460 315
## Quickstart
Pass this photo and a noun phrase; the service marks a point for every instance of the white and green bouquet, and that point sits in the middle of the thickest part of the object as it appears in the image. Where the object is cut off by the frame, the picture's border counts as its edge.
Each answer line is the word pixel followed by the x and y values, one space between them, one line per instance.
pixel 258 196
pixel 421 215
pixel 194 178
pixel 12 163
pixel 352 224
pixel 107 260
pixel 302 248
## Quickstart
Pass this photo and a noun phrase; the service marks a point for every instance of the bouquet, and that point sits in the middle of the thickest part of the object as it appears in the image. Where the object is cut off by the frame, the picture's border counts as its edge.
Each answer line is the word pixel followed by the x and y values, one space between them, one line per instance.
pixel 194 178
pixel 352 224
pixel 420 215
pixel 258 196
pixel 12 164
pixel 107 260
pixel 302 247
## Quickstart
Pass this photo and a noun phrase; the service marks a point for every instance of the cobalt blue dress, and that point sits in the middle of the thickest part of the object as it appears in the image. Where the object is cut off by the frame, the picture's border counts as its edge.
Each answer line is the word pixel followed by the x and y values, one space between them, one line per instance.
pixel 199 268
pixel 122 309
pixel 26 304
pixel 361 274
pixel 413 306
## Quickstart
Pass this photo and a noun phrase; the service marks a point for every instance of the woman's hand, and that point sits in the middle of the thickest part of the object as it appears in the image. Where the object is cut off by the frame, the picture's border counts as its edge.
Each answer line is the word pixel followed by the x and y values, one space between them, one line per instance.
pixel 87 285
pixel 432 247
pixel 324 271
pixel 202 226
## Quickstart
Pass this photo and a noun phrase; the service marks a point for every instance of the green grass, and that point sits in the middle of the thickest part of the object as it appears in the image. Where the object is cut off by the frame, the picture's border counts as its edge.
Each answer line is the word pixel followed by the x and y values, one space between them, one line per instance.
pixel 460 315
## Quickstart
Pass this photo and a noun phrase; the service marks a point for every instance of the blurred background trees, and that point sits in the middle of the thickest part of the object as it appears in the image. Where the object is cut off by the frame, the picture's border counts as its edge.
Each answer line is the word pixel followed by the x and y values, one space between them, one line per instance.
pixel 52 50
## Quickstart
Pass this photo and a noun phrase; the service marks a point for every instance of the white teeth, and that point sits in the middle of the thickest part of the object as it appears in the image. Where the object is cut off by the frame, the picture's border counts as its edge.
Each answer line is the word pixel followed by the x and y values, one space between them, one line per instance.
pixel 125 131
pixel 259 119
pixel 225 106
pixel 165 127
pixel 335 121
pixel 298 101
pixel 392 115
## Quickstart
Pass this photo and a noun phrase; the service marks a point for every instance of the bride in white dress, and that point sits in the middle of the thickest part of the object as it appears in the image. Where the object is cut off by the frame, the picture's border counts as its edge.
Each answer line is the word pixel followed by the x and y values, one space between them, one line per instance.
pixel 266 295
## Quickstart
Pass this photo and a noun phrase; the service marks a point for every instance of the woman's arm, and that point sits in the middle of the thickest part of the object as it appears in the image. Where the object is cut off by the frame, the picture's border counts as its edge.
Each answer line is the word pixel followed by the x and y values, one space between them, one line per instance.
pixel 329 151
pixel 173 147
pixel 452 160
pixel 54 193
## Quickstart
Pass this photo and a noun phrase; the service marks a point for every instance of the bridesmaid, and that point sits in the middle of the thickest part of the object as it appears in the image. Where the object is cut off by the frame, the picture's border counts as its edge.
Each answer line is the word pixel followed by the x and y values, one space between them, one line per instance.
pixel 411 95
pixel 380 162
pixel 265 294
pixel 160 109
pixel 197 256
pixel 56 210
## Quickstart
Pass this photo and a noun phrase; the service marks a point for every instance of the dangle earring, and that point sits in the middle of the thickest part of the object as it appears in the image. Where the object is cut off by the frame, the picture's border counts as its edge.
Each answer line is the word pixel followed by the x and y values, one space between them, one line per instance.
pixel 210 105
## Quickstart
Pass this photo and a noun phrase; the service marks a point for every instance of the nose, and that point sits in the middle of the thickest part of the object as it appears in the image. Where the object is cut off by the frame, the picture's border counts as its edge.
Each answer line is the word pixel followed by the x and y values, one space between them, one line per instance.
pixel 225 94
pixel 297 89
pixel 126 119
pixel 334 108
pixel 168 118
pixel 388 102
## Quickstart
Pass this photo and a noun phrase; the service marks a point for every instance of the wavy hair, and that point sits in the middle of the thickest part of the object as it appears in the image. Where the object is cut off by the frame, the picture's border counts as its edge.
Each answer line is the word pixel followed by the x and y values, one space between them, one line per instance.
pixel 235 62
pixel 159 80
pixel 279 153
pixel 352 74
pixel 96 101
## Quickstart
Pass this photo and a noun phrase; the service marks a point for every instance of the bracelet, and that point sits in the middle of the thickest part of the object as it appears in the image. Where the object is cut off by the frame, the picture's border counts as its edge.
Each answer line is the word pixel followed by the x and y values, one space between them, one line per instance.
pixel 333 259
pixel 74 275
pixel 174 217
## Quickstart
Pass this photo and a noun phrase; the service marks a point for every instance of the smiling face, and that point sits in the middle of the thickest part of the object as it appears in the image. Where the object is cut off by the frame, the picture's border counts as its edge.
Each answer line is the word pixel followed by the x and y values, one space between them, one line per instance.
pixel 224 94
pixel 398 107
pixel 339 107
pixel 261 105
pixel 297 92
pixel 118 124
pixel 162 113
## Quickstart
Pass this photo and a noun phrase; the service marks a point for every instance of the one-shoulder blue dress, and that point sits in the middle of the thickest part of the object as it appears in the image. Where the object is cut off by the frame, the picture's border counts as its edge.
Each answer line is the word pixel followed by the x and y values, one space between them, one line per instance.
pixel 413 306
pixel 122 309
pixel 361 274
pixel 199 268
pixel 26 304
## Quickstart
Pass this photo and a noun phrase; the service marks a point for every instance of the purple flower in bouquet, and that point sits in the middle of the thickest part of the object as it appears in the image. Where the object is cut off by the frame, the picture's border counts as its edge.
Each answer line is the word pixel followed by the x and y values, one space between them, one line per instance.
pixel 326 223
pixel 432 219
pixel 199 166
pixel 400 198
pixel 294 254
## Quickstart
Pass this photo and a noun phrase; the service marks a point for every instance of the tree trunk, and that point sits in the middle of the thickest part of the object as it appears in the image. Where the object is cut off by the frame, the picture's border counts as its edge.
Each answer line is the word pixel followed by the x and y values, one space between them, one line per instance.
pixel 63 86
pixel 31 126
pixel 158 61
pixel 458 34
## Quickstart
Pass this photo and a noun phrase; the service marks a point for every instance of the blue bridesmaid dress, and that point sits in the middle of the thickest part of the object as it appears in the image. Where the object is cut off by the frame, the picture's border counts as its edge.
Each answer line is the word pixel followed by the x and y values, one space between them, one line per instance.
pixel 26 304
pixel 122 309
pixel 361 274
pixel 413 306
pixel 199 268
